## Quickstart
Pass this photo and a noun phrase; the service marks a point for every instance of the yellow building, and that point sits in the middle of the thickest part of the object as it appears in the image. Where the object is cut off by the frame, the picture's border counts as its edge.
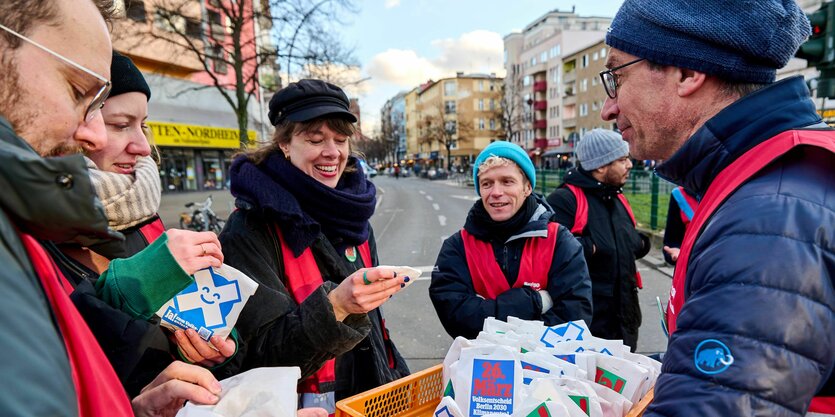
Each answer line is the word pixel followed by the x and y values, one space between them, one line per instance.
pixel 462 112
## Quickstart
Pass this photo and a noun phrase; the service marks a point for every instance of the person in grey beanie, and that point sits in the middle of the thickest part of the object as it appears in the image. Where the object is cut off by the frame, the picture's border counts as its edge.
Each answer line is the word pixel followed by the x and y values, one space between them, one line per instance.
pixel 591 204
pixel 751 311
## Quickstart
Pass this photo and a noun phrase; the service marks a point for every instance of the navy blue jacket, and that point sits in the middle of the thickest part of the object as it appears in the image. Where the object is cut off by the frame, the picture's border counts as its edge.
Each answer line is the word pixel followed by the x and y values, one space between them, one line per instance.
pixel 462 311
pixel 760 276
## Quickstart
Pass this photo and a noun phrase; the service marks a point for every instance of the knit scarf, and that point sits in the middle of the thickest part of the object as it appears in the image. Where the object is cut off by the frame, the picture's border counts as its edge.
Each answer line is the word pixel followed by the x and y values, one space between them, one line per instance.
pixel 483 227
pixel 128 199
pixel 302 206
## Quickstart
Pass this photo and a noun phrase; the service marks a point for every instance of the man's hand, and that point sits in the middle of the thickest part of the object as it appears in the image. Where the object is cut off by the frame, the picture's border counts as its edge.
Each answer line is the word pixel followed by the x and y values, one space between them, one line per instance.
pixel 363 291
pixel 194 251
pixel 198 351
pixel 673 252
pixel 178 383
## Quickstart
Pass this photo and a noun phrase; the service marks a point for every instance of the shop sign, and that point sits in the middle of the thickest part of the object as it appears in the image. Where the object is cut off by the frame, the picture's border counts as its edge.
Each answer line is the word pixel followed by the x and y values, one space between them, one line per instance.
pixel 195 136
pixel 827 113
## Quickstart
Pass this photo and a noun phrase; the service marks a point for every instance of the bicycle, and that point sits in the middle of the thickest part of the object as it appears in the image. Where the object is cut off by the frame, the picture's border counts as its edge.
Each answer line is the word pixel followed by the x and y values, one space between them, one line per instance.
pixel 202 217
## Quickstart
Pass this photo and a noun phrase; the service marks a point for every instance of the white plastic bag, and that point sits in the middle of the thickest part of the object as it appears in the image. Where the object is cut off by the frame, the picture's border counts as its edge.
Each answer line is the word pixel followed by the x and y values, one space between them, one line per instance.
pixel 259 392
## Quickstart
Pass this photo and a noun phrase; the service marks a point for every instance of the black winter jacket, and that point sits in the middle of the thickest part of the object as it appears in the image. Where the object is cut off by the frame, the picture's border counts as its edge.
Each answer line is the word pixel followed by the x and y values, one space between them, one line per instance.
pixel 760 275
pixel 275 331
pixel 462 312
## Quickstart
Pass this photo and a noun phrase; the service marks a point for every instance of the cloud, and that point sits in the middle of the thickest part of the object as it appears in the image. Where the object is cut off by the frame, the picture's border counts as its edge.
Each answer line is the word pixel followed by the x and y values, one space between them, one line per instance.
pixel 392 3
pixel 479 51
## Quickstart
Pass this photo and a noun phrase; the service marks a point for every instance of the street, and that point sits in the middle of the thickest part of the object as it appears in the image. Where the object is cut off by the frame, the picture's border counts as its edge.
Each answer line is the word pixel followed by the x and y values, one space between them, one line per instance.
pixel 412 219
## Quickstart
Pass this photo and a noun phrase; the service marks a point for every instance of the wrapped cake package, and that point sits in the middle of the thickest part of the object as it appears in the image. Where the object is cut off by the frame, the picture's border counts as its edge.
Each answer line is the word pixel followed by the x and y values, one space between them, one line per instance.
pixel 211 304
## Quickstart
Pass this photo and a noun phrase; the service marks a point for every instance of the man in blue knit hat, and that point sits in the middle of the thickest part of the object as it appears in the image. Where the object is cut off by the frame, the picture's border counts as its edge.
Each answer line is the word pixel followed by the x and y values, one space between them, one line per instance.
pixel 592 205
pixel 752 306
pixel 509 259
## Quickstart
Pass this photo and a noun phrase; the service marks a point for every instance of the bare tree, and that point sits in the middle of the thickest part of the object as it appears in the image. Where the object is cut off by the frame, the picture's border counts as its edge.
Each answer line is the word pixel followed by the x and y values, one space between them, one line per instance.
pixel 232 41
pixel 435 127
pixel 512 105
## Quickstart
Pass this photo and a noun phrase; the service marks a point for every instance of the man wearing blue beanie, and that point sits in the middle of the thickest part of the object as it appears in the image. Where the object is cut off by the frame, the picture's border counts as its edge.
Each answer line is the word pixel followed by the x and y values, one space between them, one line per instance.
pixel 509 259
pixel 752 306
pixel 592 205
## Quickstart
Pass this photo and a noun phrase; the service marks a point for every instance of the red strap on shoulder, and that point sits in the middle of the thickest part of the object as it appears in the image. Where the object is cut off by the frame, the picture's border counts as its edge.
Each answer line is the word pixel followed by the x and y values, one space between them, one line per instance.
pixel 488 278
pixel 152 230
pixel 628 208
pixel 365 254
pixel 728 181
pixel 581 215
pixel 537 257
pixel 98 390
pixel 823 405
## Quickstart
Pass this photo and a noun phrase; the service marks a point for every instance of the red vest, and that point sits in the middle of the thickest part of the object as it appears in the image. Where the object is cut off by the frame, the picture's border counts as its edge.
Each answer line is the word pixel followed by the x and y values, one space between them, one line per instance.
pixel 727 182
pixel 97 387
pixel 581 218
pixel 152 230
pixel 488 279
pixel 303 277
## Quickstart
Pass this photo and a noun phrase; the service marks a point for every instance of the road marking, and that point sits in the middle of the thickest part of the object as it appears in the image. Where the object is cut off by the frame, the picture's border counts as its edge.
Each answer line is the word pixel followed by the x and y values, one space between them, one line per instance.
pixel 466 197
pixel 422 192
pixel 386 227
pixel 436 206
pixel 380 189
pixel 379 201
pixel 429 197
pixel 442 220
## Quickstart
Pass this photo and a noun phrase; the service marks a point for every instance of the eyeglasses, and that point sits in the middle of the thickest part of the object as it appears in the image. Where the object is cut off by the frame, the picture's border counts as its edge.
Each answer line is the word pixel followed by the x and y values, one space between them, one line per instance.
pixel 610 79
pixel 99 94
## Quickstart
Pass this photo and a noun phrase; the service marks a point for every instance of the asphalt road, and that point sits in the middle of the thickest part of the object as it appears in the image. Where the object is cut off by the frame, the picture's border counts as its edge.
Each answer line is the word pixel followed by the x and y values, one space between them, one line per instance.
pixel 412 219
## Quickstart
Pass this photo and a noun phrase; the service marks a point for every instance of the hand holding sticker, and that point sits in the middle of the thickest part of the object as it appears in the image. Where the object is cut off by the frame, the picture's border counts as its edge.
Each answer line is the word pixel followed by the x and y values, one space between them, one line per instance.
pixel 410 274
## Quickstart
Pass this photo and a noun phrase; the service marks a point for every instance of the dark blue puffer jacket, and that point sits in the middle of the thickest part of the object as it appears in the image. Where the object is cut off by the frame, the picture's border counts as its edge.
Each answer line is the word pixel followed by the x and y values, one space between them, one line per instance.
pixel 759 283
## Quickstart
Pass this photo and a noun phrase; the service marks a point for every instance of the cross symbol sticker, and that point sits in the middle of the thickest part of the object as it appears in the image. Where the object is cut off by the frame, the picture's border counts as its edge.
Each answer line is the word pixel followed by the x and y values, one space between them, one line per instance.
pixel 208 297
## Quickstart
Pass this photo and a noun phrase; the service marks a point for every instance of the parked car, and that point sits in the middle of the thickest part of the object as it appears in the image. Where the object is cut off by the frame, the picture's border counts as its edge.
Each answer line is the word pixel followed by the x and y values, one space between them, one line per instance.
pixel 437 174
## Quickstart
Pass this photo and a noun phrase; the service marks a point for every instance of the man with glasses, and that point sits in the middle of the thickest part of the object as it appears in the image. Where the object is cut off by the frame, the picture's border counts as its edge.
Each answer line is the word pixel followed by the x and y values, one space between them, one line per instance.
pixel 54 69
pixel 591 204
pixel 752 306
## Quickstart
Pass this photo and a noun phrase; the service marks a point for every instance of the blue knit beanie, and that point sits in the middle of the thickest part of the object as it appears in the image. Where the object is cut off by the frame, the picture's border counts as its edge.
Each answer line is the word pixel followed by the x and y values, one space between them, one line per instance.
pixel 743 41
pixel 600 147
pixel 509 151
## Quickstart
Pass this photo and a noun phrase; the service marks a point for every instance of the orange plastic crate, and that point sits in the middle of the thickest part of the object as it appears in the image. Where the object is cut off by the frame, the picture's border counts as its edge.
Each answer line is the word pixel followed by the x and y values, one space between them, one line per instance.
pixel 417 395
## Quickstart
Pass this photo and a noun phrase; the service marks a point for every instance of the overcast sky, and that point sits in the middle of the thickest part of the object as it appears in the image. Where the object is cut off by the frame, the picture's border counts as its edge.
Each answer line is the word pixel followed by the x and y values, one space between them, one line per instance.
pixel 402 43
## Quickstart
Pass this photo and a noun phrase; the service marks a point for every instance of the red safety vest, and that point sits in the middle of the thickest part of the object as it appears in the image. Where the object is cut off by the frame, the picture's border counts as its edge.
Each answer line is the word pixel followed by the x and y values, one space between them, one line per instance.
pixel 98 390
pixel 488 279
pixel 581 218
pixel 303 277
pixel 152 230
pixel 727 182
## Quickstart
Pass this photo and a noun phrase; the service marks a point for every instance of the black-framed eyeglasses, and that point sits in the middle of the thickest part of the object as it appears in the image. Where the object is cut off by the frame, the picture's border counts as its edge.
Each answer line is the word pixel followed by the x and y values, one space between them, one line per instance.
pixel 610 79
pixel 97 95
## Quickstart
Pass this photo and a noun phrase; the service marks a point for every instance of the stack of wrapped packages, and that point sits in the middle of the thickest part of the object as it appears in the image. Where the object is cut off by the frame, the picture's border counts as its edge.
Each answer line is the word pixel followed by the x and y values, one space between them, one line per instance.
pixel 526 369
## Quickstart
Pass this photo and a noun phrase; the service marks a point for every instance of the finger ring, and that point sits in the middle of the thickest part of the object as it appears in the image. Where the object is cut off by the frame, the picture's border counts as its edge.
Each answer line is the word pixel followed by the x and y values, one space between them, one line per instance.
pixel 365 277
pixel 204 250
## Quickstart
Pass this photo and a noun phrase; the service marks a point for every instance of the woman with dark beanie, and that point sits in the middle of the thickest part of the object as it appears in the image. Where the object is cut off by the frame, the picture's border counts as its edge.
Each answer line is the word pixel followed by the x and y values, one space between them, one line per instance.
pixel 300 229
pixel 126 181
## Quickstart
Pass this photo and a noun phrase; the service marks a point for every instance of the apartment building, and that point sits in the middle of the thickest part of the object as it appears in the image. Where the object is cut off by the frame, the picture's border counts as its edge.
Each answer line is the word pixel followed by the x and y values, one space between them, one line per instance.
pixel 191 122
pixel 583 94
pixel 535 92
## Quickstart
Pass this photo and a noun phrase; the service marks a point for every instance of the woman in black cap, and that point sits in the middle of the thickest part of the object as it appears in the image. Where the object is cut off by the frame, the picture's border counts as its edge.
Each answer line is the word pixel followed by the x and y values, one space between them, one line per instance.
pixel 300 229
pixel 126 181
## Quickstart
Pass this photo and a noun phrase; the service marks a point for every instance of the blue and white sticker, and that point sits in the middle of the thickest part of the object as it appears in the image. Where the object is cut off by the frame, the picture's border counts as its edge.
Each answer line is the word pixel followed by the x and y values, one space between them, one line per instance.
pixel 205 304
pixel 712 357
pixel 562 333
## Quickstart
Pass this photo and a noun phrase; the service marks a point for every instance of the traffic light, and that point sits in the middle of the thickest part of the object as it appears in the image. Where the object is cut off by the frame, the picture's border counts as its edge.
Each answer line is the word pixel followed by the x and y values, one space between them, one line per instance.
pixel 819 49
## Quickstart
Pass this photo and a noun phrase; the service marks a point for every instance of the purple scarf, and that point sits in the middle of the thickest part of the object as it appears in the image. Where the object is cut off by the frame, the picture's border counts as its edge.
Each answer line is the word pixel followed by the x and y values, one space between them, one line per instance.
pixel 303 207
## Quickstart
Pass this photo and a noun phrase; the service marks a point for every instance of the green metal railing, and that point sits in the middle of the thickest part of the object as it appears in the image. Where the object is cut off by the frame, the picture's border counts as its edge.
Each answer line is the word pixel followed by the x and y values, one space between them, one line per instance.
pixel 648 195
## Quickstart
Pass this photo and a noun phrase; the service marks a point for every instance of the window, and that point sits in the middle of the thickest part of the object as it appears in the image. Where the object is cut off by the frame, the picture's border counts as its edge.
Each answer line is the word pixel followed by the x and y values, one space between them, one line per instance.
pixel 543 56
pixel 218 59
pixel 594 56
pixel 492 124
pixel 449 88
pixel 451 127
pixel 194 29
pixel 526 81
pixel 449 106
pixel 594 106
pixel 603 52
pixel 480 124
pixel 170 21
pixel 533 61
pixel 492 104
pixel 480 104
pixel 480 85
pixel 135 10
pixel 584 109
pixel 584 84
pixel 593 81
pixel 585 62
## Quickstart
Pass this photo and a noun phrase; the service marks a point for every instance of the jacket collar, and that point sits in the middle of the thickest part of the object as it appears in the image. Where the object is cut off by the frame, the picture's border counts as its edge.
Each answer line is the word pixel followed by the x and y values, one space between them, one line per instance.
pixel 742 125
pixel 39 204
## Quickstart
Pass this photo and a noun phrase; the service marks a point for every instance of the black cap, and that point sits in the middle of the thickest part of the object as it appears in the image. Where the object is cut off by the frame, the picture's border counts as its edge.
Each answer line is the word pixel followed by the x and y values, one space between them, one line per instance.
pixel 308 99
pixel 126 78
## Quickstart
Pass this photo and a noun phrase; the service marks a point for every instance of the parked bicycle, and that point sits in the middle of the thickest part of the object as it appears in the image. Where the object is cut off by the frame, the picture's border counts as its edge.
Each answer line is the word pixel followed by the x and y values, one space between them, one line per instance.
pixel 201 218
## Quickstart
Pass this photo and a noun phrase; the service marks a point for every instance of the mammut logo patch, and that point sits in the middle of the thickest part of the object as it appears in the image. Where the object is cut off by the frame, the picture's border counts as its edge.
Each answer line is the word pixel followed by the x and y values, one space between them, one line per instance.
pixel 712 357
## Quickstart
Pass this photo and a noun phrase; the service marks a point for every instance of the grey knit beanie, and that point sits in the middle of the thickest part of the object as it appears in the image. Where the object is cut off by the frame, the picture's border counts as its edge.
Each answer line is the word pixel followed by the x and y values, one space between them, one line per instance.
pixel 600 147
pixel 737 40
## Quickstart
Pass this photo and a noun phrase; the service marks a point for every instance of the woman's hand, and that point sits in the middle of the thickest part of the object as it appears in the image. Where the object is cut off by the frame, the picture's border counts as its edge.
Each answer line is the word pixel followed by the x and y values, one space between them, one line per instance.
pixel 198 351
pixel 178 383
pixel 194 251
pixel 364 290
pixel 312 412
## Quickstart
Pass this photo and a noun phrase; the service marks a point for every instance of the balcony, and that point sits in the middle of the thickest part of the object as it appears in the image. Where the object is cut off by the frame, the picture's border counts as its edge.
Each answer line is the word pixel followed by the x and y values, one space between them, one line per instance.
pixel 540 105
pixel 540 143
pixel 540 124
pixel 569 123
pixel 540 86
pixel 569 77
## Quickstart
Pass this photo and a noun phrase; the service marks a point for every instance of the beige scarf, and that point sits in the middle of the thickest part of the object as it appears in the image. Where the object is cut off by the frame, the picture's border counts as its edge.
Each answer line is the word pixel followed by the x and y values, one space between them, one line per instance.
pixel 128 199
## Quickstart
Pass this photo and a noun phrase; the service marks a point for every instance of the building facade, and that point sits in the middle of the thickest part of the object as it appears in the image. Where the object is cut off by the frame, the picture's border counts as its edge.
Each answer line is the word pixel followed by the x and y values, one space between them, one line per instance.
pixel 191 123
pixel 541 86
